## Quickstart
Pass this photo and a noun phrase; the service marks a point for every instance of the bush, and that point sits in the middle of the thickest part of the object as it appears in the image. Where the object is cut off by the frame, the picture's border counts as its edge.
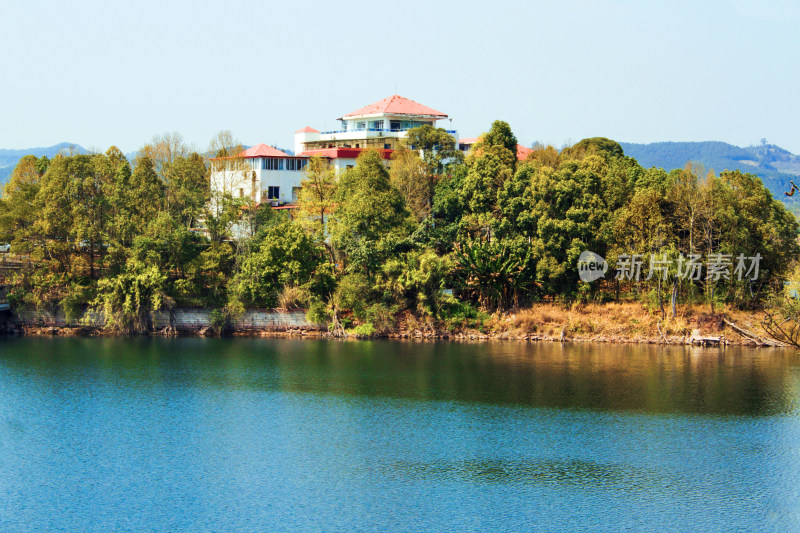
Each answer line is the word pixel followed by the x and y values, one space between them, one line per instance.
pixel 364 330
pixel 286 256
pixel 381 318
pixel 414 280
pixel 129 300
pixel 222 319
pixel 458 315
pixel 352 294
pixel 318 312
pixel 293 298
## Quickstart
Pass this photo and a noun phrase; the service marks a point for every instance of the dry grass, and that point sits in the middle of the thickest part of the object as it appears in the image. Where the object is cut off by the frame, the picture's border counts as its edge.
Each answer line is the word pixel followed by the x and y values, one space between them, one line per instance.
pixel 623 320
pixel 292 298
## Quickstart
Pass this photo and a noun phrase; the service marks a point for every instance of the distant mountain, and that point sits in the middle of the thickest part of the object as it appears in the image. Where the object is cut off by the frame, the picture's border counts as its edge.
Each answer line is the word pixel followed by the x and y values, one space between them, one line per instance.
pixel 9 158
pixel 774 165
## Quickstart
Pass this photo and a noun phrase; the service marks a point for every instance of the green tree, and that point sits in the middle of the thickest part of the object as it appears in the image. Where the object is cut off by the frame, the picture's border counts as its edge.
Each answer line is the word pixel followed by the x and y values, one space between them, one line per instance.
pixel 491 163
pixel 285 256
pixel 438 153
pixel 128 301
pixel 370 217
pixel 409 175
pixel 568 209
pixel 18 211
pixel 318 192
pixel 188 188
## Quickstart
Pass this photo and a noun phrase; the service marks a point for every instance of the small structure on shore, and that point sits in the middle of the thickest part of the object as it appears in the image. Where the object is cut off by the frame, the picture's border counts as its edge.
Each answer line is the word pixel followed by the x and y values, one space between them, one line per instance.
pixel 706 340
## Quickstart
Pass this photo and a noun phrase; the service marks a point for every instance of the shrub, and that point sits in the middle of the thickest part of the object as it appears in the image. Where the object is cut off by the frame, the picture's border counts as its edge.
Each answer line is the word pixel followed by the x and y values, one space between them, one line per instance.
pixel 382 318
pixel 364 330
pixel 292 298
pixel 318 312
pixel 458 315
pixel 129 300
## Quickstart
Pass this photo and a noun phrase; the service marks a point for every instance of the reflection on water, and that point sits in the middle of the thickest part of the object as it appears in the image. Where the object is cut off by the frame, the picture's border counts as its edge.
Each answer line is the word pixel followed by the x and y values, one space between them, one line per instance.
pixel 251 434
pixel 569 473
pixel 646 378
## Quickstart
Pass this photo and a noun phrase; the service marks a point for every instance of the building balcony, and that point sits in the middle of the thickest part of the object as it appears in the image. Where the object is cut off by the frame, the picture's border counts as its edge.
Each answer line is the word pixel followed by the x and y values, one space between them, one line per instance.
pixel 373 130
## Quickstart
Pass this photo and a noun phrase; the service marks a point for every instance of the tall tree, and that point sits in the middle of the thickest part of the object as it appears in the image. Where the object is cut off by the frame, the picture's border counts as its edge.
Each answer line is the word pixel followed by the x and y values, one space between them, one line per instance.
pixel 188 190
pixel 163 150
pixel 370 215
pixel 438 152
pixel 410 175
pixel 318 191
pixel 18 212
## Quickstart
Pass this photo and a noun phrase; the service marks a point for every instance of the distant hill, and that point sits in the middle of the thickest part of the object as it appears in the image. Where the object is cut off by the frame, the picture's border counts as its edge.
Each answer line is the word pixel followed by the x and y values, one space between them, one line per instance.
pixel 774 165
pixel 9 158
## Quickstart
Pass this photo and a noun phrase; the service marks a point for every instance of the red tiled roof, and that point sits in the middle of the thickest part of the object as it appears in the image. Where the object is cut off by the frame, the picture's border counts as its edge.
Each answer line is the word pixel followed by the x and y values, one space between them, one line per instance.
pixel 469 140
pixel 263 150
pixel 344 153
pixel 396 105
pixel 523 152
pixel 307 129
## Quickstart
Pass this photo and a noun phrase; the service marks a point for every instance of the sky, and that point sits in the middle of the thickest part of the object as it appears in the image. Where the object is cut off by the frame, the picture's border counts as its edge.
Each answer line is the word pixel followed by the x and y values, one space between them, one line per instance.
pixel 103 73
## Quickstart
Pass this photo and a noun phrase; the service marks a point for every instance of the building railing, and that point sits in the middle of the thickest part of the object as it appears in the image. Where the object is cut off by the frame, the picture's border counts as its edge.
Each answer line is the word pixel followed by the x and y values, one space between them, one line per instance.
pixel 384 130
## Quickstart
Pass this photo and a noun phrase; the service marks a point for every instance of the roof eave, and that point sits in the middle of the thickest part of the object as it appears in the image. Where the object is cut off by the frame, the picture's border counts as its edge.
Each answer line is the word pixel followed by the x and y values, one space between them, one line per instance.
pixel 405 115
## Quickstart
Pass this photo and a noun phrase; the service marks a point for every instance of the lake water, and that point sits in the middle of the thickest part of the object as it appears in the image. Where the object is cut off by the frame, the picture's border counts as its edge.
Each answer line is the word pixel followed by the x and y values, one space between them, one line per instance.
pixel 189 434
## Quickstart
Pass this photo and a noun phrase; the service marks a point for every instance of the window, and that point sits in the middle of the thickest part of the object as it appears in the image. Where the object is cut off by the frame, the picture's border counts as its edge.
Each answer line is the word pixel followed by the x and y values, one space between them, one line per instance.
pixel 272 164
pixel 296 164
pixel 295 193
pixel 241 193
pixel 377 125
pixel 361 125
pixel 394 125
pixel 273 192
pixel 387 146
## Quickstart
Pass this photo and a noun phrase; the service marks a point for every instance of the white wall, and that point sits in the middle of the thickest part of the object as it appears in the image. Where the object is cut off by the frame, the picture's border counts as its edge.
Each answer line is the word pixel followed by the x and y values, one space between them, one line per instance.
pixel 285 179
pixel 301 138
pixel 240 184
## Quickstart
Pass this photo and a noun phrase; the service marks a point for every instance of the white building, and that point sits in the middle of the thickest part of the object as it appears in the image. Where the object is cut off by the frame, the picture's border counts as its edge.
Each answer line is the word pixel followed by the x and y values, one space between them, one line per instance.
pixel 266 174
pixel 380 125
pixel 262 173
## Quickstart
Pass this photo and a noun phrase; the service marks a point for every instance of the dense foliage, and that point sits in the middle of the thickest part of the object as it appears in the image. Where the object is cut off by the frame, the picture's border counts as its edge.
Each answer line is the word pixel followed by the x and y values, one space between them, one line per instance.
pixel 436 237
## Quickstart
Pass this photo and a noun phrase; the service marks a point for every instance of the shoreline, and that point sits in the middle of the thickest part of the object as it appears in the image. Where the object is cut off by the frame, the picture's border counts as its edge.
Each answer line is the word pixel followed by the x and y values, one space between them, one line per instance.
pixel 616 323
pixel 674 340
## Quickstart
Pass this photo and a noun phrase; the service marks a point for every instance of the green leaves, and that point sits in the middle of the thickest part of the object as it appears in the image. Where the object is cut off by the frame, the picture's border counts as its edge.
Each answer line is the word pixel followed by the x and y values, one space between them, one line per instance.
pixel 495 271
pixel 370 216
pixel 285 256
pixel 129 300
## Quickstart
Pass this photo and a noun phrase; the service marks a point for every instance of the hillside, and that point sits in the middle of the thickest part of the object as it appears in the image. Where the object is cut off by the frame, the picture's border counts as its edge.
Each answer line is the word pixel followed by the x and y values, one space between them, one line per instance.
pixel 9 158
pixel 774 165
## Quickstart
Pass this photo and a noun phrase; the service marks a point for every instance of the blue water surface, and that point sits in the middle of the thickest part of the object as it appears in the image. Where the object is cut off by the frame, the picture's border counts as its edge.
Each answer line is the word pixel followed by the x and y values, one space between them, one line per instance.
pixel 107 434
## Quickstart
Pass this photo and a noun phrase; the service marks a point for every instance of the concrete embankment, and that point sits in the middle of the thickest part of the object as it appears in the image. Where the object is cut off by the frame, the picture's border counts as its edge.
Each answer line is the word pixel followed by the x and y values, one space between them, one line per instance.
pixel 182 321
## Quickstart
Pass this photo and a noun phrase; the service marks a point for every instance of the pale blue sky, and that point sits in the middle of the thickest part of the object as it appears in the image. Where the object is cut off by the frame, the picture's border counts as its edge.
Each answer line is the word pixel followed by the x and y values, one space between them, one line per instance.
pixel 101 73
